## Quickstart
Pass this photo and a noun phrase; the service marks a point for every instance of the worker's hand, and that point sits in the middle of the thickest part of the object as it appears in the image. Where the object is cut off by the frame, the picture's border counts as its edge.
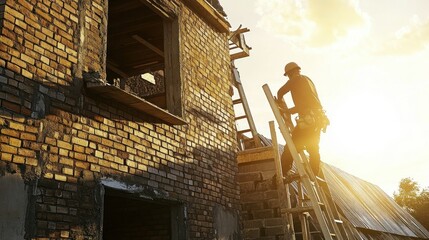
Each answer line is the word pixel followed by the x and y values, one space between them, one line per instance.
pixel 325 123
pixel 282 106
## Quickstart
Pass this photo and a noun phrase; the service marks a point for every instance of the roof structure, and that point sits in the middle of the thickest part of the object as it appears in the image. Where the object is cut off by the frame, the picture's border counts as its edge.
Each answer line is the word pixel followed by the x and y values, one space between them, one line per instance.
pixel 369 209
pixel 369 212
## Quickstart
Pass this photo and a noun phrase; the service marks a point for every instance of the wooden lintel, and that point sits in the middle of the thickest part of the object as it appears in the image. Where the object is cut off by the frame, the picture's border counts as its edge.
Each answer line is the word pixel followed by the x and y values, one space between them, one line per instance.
pixel 148 45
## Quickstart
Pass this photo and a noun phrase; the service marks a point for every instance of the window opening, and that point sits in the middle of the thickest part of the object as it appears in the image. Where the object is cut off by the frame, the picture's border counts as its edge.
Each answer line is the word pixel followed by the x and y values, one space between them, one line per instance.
pixel 142 54
pixel 126 216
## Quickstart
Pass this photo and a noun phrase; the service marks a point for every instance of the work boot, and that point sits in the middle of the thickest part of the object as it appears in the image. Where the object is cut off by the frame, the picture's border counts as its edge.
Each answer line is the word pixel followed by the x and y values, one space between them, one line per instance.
pixel 290 177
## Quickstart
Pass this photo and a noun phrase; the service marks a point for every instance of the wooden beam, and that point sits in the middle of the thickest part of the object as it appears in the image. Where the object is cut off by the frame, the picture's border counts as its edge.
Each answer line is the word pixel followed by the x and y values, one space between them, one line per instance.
pixel 113 93
pixel 148 45
pixel 113 68
pixel 208 13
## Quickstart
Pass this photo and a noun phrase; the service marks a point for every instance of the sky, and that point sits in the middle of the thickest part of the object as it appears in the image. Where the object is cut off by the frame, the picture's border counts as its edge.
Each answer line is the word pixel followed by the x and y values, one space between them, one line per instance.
pixel 369 61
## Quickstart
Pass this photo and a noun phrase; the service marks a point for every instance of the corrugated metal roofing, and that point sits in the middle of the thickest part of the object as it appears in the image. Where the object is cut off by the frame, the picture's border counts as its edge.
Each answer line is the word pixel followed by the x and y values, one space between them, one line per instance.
pixel 368 208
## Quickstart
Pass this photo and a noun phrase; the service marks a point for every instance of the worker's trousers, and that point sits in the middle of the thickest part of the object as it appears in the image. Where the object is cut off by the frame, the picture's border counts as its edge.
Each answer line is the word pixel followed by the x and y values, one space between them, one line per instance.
pixel 304 139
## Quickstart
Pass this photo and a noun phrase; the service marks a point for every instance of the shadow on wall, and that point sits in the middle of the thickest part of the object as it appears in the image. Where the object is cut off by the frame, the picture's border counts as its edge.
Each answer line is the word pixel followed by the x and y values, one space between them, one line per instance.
pixel 58 144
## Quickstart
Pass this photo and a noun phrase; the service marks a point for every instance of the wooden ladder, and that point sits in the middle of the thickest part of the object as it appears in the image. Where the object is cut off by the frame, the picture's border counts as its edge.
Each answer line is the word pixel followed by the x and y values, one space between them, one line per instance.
pixel 320 202
pixel 244 141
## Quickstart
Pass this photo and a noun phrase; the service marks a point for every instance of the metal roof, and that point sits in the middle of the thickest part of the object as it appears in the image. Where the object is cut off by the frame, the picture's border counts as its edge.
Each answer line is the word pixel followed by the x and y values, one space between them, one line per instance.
pixel 366 206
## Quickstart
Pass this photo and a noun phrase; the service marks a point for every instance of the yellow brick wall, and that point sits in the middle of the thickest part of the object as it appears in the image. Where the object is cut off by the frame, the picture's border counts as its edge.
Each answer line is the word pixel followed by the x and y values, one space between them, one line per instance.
pixel 54 133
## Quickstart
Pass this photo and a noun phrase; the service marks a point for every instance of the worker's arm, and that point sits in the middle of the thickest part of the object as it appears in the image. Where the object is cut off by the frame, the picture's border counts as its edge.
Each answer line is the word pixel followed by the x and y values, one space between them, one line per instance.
pixel 292 110
pixel 283 90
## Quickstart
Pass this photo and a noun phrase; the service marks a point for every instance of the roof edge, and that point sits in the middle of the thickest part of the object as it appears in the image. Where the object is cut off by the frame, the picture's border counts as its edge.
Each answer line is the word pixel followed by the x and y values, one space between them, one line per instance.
pixel 210 14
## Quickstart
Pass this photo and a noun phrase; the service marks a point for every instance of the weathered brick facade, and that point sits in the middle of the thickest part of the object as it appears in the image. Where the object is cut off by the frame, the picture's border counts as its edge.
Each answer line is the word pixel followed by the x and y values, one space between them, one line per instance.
pixel 64 142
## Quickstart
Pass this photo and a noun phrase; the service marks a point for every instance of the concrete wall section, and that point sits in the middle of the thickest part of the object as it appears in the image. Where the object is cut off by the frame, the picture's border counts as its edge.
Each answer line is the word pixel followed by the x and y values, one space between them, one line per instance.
pixel 13 206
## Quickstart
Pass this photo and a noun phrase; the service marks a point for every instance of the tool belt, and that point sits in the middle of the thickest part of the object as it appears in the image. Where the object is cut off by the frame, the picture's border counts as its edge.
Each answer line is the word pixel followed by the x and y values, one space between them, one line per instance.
pixel 314 118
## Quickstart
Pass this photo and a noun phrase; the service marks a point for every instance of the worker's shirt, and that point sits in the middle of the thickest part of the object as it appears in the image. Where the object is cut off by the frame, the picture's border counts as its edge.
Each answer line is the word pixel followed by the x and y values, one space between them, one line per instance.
pixel 304 94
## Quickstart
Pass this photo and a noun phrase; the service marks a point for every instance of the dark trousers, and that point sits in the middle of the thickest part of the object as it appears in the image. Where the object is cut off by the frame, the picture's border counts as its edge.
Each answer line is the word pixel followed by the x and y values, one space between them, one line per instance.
pixel 308 139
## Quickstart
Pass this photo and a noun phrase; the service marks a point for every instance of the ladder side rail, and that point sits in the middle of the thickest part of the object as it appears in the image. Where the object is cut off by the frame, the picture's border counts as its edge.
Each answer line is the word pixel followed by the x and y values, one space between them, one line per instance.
pixel 328 199
pixel 305 227
pixel 324 195
pixel 299 163
pixel 282 189
pixel 246 108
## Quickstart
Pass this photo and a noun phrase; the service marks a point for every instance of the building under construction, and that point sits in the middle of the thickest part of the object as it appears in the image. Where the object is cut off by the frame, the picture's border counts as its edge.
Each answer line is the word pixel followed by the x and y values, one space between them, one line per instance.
pixel 117 121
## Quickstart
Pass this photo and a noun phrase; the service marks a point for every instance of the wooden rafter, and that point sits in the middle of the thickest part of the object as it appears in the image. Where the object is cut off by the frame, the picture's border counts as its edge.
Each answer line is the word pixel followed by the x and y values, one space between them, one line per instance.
pixel 148 45
pixel 237 41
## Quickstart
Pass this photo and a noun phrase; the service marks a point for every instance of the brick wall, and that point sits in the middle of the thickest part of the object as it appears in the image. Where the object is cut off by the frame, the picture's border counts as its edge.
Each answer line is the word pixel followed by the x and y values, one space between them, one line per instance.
pixel 63 141
pixel 261 212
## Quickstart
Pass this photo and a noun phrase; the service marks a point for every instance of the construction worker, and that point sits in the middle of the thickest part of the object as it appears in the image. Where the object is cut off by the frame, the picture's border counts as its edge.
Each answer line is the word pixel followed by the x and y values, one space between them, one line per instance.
pixel 311 119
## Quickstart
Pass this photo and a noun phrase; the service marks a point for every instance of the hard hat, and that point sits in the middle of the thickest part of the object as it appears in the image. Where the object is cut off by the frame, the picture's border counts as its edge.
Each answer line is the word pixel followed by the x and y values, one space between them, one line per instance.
pixel 290 66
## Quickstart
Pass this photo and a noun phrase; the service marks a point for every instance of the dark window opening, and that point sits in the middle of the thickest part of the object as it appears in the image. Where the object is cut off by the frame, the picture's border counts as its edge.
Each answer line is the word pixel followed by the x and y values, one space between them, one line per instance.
pixel 130 218
pixel 2 8
pixel 142 54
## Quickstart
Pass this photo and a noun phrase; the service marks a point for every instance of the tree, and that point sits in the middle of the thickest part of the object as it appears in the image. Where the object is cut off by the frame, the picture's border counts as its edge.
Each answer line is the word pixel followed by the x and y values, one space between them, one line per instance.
pixel 414 200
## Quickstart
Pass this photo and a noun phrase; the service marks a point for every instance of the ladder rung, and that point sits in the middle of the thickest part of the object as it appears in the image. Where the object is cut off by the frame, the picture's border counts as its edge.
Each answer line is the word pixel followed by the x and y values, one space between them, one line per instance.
pixel 243 131
pixel 312 233
pixel 237 101
pixel 241 117
pixel 321 180
pixel 338 221
pixel 299 209
pixel 318 233
pixel 248 140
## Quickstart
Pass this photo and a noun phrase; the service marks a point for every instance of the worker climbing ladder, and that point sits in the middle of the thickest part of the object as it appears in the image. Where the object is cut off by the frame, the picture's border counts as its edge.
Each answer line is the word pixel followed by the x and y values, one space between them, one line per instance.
pixel 321 204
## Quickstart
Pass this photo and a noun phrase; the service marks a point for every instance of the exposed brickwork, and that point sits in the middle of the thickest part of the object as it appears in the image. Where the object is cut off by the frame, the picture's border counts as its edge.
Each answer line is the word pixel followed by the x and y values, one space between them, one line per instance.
pixel 63 141
pixel 261 214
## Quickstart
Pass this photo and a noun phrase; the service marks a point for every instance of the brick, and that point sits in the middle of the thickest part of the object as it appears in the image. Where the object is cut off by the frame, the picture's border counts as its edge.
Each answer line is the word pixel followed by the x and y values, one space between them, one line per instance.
pixel 6 156
pixel 15 142
pixel 95 168
pixel 10 132
pixel 8 149
pixel 31 161
pixel 67 171
pixel 80 142
pixel 264 213
pixel 17 126
pixel 18 159
pixel 28 136
pixel 65 145
pixel 273 231
pixel 252 233
pixel 247 177
pixel 60 177
pixel 258 223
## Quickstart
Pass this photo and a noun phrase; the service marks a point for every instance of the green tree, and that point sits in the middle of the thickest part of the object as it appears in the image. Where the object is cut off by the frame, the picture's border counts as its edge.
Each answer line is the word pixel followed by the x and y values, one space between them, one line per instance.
pixel 414 200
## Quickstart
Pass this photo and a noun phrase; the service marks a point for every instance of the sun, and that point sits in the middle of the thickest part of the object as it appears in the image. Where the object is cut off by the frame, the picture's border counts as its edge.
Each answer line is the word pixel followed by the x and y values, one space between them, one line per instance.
pixel 363 125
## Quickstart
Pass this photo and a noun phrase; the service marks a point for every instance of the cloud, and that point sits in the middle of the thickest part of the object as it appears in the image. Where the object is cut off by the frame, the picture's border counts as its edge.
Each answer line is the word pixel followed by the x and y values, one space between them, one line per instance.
pixel 313 23
pixel 408 40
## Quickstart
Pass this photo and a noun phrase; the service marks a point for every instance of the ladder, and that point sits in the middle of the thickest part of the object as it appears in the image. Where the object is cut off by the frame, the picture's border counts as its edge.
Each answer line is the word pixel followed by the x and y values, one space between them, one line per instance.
pixel 321 204
pixel 244 141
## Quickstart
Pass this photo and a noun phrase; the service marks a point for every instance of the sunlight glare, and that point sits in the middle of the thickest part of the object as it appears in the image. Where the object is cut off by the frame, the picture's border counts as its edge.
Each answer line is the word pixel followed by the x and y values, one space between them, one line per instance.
pixel 361 126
